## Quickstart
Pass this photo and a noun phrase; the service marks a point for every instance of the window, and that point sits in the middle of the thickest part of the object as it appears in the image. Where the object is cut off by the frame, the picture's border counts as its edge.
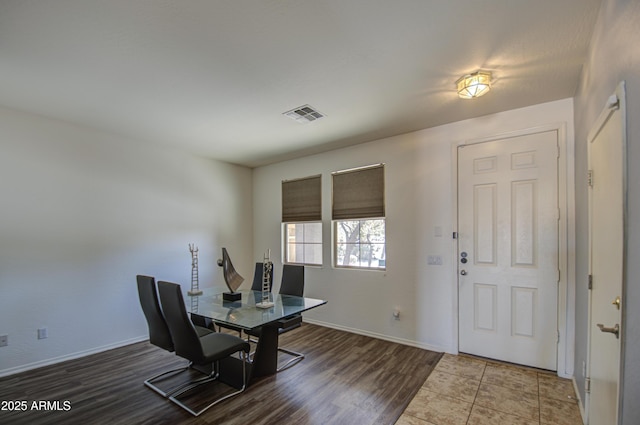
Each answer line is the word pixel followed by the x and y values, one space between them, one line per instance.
pixel 302 221
pixel 358 215
pixel 360 243
pixel 303 243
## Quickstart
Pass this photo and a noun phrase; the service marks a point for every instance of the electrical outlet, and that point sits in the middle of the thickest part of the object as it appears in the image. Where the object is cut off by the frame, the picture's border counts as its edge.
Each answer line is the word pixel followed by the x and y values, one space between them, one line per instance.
pixel 42 333
pixel 4 340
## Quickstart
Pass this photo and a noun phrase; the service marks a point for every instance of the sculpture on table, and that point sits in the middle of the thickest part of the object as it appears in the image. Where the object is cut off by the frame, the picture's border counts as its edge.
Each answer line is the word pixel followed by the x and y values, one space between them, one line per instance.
pixel 195 281
pixel 231 277
pixel 267 266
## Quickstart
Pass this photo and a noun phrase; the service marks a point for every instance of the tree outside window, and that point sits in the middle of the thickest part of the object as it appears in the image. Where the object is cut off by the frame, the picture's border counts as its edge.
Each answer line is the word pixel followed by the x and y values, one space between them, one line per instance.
pixel 360 243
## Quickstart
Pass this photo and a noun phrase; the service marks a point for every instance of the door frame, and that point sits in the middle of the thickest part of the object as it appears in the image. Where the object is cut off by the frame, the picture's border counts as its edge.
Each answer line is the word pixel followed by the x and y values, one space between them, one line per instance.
pixel 566 238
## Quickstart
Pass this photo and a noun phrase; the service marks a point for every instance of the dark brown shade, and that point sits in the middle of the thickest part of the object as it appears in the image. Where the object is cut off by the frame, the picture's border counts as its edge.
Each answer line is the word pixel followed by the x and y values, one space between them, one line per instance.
pixel 358 193
pixel 302 199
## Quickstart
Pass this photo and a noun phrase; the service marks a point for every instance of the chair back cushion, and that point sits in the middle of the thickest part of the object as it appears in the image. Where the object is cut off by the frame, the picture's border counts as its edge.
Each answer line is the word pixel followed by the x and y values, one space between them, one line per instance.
pixel 158 330
pixel 257 278
pixel 292 280
pixel 184 335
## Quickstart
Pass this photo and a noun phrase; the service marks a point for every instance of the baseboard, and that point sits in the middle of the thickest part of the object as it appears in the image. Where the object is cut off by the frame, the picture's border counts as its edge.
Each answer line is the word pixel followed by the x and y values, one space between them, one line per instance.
pixel 72 356
pixel 377 335
pixel 563 375
pixel 583 412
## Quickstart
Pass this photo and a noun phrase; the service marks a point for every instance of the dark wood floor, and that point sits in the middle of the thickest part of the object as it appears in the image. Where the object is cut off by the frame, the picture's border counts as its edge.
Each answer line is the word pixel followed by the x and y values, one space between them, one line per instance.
pixel 344 379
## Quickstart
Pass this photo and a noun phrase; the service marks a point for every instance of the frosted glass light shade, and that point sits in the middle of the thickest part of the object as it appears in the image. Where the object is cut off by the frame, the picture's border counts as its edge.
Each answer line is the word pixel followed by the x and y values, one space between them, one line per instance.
pixel 474 85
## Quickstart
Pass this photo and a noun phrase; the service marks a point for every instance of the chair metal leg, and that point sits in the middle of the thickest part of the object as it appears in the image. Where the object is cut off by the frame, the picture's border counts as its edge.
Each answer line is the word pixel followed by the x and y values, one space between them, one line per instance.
pixel 174 398
pixel 296 358
pixel 149 382
pixel 192 384
pixel 251 353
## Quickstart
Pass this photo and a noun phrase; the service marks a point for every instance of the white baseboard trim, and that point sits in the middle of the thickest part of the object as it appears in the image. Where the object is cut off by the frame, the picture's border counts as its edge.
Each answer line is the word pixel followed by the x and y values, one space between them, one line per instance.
pixel 583 412
pixel 72 356
pixel 79 354
pixel 377 335
pixel 563 375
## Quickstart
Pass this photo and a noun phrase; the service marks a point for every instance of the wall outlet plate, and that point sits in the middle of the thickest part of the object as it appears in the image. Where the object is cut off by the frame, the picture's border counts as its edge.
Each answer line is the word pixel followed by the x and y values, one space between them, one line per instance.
pixel 4 340
pixel 42 333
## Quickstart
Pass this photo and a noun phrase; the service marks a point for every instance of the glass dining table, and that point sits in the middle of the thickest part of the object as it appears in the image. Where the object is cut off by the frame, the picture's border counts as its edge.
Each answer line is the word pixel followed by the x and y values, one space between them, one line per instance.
pixel 244 314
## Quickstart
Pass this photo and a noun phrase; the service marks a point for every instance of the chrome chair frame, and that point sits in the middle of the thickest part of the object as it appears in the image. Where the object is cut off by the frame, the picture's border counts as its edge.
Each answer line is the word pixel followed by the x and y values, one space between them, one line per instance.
pixel 212 377
pixel 205 350
pixel 158 330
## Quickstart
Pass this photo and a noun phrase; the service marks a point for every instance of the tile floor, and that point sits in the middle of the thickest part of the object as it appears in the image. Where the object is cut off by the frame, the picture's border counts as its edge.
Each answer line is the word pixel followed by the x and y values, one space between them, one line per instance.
pixel 468 391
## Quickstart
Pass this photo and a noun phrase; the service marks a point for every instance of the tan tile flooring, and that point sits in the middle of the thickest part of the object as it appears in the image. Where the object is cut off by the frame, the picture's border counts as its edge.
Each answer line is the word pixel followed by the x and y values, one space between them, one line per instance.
pixel 469 391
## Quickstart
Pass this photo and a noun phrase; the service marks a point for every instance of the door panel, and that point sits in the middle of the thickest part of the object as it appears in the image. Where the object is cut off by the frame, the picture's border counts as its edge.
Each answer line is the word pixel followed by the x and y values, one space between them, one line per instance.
pixel 523 235
pixel 508 246
pixel 485 306
pixel 485 218
pixel 524 311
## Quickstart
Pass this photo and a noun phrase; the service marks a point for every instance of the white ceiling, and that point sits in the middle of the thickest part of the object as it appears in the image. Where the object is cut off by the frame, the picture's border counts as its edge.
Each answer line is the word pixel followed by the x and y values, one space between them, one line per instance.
pixel 214 77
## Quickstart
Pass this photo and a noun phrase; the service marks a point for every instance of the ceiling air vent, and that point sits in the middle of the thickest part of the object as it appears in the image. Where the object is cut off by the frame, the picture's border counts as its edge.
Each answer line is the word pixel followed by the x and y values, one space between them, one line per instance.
pixel 303 114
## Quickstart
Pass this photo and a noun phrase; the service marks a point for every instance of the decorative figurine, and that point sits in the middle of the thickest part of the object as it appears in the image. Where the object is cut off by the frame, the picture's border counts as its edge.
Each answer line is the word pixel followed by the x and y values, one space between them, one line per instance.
pixel 267 266
pixel 231 278
pixel 195 290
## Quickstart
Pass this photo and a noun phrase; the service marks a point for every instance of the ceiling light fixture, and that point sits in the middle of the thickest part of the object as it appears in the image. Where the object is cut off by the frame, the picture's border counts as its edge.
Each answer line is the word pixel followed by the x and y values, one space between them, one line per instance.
pixel 474 85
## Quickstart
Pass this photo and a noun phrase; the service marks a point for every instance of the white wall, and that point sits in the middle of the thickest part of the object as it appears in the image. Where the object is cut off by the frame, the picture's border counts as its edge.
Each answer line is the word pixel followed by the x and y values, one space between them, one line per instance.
pixel 614 56
pixel 83 213
pixel 419 191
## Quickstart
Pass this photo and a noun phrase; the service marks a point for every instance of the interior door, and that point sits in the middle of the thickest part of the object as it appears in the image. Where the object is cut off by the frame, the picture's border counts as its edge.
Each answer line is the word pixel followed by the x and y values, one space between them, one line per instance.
pixel 606 238
pixel 508 249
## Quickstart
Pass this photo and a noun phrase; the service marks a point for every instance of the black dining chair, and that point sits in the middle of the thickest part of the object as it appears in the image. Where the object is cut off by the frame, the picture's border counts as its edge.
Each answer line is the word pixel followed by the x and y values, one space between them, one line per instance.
pixel 208 350
pixel 257 278
pixel 292 284
pixel 159 334
pixel 292 280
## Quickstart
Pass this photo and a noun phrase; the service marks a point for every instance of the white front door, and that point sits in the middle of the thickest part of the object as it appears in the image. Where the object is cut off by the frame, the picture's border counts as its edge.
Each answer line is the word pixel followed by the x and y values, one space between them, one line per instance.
pixel 508 249
pixel 606 237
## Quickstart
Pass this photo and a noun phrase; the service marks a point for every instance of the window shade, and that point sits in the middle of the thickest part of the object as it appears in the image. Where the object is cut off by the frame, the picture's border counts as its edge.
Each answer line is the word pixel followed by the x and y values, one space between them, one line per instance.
pixel 302 200
pixel 358 193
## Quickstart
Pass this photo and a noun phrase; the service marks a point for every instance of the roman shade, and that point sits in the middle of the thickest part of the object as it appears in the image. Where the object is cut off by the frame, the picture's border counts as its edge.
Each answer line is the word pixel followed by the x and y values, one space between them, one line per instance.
pixel 358 193
pixel 302 199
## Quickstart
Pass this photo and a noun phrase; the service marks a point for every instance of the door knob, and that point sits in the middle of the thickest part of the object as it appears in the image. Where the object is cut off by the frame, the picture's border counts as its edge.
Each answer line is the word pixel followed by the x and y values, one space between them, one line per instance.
pixel 614 330
pixel 463 272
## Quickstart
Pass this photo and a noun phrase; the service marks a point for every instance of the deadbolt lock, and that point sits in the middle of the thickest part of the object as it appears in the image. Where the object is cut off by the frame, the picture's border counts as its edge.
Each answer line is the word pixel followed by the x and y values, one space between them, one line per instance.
pixel 616 302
